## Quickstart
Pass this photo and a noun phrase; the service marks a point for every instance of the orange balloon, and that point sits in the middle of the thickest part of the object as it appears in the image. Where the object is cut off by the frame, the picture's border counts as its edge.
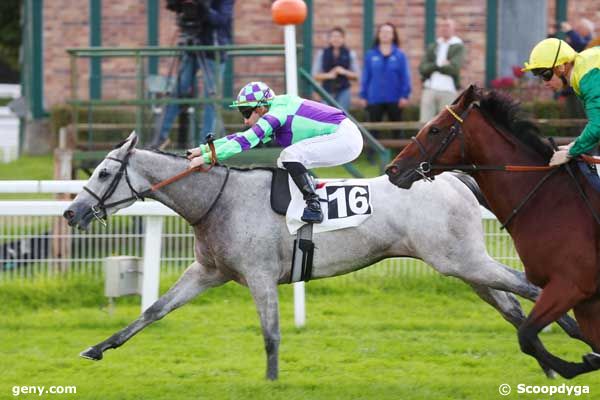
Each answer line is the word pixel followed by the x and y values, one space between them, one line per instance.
pixel 288 12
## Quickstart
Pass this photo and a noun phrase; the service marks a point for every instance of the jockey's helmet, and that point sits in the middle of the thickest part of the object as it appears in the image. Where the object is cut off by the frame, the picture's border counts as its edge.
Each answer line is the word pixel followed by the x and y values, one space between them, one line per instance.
pixel 549 53
pixel 254 94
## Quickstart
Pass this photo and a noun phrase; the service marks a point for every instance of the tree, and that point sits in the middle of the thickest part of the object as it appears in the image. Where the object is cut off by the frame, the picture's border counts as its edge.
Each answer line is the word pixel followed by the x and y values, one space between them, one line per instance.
pixel 10 32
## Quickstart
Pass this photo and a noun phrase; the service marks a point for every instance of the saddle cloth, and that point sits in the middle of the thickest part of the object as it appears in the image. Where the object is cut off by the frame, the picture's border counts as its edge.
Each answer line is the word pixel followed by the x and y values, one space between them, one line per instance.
pixel 591 173
pixel 345 203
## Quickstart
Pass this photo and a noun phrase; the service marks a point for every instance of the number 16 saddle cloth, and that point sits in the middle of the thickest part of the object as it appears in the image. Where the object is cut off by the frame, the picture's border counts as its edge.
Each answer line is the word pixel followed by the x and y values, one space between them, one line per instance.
pixel 345 203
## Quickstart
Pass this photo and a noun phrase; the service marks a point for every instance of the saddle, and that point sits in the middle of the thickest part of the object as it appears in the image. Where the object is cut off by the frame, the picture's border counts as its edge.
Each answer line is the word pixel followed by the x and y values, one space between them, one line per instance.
pixel 590 171
pixel 280 191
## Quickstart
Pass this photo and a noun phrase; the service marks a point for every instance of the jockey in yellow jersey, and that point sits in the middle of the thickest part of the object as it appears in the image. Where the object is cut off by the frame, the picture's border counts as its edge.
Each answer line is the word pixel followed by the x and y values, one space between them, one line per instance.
pixel 559 66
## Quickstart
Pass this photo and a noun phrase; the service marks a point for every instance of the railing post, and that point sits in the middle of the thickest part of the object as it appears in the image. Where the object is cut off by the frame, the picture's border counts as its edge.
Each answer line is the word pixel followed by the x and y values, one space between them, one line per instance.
pixel 152 250
pixel 63 170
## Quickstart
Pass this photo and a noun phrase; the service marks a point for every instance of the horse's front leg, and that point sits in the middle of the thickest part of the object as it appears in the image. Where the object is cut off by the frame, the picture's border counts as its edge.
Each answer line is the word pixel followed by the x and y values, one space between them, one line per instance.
pixel 194 281
pixel 264 292
pixel 557 297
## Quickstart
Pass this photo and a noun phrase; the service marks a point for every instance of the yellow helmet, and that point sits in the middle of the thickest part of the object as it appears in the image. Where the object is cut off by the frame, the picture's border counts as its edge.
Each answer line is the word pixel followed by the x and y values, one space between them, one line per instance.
pixel 549 53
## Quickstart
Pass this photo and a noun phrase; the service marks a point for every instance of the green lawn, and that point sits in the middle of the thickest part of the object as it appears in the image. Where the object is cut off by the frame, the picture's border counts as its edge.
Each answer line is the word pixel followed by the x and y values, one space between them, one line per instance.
pixel 415 338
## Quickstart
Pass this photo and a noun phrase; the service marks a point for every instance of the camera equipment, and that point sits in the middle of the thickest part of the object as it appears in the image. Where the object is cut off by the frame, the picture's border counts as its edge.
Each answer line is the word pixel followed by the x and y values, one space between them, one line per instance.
pixel 191 17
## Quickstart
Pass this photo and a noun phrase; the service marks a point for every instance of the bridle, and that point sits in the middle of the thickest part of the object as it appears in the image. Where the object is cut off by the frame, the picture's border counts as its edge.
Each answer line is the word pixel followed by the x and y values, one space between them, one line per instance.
pixel 102 206
pixel 425 168
pixel 99 209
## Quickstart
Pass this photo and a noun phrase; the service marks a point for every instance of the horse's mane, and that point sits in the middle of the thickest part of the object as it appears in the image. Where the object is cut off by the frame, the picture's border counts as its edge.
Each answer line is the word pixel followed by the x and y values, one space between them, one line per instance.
pixel 242 169
pixel 166 153
pixel 507 112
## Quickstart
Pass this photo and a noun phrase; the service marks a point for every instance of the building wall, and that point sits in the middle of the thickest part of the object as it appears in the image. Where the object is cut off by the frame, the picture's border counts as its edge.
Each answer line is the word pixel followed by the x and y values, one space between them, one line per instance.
pixel 124 24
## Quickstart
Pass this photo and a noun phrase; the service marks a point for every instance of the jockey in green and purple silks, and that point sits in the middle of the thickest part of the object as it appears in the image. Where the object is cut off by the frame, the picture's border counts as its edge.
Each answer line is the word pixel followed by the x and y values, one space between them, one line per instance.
pixel 312 134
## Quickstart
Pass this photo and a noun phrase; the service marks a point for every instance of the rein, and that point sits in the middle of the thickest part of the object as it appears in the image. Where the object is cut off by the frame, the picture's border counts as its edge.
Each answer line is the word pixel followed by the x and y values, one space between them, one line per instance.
pixel 426 167
pixel 102 206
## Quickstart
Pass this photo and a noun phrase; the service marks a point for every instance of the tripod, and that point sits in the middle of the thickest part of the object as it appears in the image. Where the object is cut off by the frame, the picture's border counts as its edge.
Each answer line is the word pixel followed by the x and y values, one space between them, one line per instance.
pixel 186 86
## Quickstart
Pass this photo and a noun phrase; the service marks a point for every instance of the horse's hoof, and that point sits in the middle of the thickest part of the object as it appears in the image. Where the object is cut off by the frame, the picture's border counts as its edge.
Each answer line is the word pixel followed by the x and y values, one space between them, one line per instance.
pixel 593 360
pixel 550 373
pixel 91 353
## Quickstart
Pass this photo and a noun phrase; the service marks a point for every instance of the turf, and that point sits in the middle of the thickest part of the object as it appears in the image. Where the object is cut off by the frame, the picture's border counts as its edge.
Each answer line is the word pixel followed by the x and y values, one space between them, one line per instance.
pixel 366 338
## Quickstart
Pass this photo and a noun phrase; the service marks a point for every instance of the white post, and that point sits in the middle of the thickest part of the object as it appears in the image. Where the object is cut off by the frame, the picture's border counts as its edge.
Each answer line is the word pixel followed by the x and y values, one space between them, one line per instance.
pixel 299 305
pixel 291 85
pixel 152 248
pixel 291 65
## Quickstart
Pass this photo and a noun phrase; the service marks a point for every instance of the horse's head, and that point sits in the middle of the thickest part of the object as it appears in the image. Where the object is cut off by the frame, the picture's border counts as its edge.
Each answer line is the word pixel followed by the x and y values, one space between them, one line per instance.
pixel 108 189
pixel 435 143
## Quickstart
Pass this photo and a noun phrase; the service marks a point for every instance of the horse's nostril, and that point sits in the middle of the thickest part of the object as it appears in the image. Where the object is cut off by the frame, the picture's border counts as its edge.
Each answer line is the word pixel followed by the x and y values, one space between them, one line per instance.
pixel 393 170
pixel 69 215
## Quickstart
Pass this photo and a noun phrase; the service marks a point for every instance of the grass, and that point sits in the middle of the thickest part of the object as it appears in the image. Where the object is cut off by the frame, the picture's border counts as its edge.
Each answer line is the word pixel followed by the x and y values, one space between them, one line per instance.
pixel 28 168
pixel 415 338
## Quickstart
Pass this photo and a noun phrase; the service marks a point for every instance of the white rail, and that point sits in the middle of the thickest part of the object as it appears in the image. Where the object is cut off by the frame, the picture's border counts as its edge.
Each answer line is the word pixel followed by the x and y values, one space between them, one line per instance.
pixel 9 125
pixel 154 214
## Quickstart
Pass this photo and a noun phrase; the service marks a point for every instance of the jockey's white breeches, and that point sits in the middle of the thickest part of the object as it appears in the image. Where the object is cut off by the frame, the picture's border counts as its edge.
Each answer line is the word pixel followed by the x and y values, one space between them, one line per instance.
pixel 340 147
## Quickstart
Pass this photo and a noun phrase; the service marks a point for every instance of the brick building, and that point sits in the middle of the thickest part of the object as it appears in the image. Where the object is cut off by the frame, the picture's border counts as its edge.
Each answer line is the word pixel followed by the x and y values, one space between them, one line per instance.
pixel 52 26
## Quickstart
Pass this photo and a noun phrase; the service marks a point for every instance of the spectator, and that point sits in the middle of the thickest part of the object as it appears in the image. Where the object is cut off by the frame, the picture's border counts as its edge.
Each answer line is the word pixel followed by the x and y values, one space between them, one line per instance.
pixel 335 67
pixel 580 35
pixel 204 23
pixel 385 84
pixel 440 70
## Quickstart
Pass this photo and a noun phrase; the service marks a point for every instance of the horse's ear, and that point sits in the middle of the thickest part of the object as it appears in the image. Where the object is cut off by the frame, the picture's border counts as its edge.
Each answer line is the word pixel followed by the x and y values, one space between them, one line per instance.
pixel 468 96
pixel 132 140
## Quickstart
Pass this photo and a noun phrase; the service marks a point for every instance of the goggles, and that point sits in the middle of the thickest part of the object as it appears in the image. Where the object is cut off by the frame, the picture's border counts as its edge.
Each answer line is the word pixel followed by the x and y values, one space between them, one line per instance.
pixel 246 111
pixel 546 74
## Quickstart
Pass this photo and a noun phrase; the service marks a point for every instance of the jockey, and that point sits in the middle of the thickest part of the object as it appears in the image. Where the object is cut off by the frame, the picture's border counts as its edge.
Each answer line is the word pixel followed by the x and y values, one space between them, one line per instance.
pixel 559 66
pixel 312 134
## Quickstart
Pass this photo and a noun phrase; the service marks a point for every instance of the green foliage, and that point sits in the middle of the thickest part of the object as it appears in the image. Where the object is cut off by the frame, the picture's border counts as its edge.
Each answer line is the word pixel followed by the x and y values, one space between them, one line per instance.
pixel 10 32
pixel 417 338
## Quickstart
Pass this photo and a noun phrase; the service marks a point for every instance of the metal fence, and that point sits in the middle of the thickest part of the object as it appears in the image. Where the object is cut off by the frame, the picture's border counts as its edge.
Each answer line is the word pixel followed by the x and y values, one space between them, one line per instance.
pixel 40 247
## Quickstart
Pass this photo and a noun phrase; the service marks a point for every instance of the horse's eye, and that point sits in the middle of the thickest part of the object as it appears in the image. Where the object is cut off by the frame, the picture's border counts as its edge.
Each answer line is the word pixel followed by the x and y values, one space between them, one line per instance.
pixel 434 131
pixel 103 174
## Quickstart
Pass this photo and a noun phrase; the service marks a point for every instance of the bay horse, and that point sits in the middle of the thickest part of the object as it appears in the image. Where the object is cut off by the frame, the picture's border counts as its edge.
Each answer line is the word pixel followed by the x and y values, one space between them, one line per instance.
pixel 554 231
pixel 238 237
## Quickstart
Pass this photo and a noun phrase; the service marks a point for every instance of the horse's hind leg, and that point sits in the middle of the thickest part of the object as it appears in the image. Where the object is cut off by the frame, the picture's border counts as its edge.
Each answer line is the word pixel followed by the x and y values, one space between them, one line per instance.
pixel 568 324
pixel 588 316
pixel 498 276
pixel 556 299
pixel 266 298
pixel 509 307
pixel 194 280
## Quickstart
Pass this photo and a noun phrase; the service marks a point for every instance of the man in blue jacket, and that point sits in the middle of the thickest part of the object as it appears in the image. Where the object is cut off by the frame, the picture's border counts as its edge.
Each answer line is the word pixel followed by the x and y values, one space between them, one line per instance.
pixel 385 86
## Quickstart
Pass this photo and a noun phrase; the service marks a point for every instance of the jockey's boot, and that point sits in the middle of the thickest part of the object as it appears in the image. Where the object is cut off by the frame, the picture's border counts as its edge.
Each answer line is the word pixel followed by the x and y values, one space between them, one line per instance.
pixel 312 212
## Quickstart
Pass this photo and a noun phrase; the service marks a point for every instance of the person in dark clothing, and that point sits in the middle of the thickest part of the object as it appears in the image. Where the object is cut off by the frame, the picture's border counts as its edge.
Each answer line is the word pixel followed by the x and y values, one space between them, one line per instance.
pixel 580 35
pixel 201 23
pixel 336 67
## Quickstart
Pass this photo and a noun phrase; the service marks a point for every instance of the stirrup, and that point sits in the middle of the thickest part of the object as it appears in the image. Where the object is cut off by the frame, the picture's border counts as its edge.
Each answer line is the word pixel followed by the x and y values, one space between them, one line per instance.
pixel 312 213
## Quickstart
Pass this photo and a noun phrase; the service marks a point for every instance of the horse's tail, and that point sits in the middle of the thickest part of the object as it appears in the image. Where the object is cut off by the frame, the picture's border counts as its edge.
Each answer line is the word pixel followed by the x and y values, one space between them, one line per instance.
pixel 473 187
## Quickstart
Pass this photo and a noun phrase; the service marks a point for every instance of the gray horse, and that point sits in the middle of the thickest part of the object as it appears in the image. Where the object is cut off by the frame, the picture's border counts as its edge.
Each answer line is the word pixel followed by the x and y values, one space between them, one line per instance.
pixel 239 237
